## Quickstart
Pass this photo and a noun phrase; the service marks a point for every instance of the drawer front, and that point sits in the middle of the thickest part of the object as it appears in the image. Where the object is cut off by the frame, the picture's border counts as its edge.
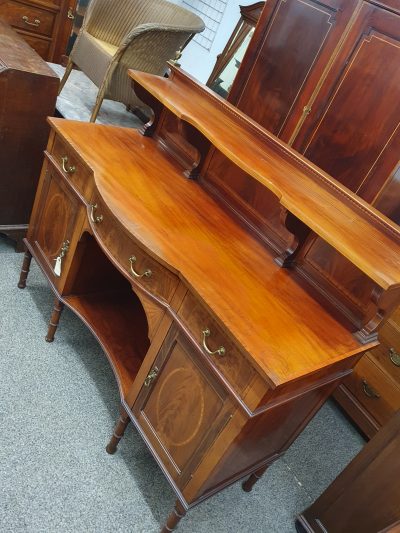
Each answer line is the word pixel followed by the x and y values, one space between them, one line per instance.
pixel 29 18
pixel 77 173
pixel 388 353
pixel 41 46
pixel 222 353
pixel 374 389
pixel 137 264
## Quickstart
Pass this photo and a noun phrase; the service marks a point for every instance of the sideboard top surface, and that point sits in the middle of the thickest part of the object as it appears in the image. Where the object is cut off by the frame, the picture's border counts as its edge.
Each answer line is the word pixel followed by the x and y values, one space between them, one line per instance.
pixel 359 232
pixel 271 312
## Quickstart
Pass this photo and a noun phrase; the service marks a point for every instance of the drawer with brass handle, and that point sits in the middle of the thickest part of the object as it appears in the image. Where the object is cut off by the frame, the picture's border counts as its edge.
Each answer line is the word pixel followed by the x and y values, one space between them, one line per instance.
pixel 134 260
pixel 72 168
pixel 215 344
pixel 374 389
pixel 29 18
pixel 387 354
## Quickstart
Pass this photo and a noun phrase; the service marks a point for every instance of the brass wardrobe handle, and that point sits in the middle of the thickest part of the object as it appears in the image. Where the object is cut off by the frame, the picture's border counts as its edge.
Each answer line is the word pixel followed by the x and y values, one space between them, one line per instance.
pixel 394 356
pixel 96 219
pixel 368 390
pixel 146 274
pixel 26 20
pixel 68 170
pixel 151 376
pixel 219 351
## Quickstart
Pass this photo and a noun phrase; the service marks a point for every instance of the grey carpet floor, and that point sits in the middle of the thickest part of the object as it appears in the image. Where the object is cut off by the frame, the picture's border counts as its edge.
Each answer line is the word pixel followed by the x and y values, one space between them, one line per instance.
pixel 58 404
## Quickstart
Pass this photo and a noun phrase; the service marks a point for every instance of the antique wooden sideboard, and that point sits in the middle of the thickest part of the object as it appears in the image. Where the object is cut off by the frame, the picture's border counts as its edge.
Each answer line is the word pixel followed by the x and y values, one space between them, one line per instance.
pixel 28 93
pixel 44 24
pixel 323 75
pixel 223 350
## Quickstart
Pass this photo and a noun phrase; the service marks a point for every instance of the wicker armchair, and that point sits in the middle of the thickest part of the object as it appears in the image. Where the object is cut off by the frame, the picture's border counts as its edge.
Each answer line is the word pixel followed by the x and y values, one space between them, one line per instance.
pixel 138 34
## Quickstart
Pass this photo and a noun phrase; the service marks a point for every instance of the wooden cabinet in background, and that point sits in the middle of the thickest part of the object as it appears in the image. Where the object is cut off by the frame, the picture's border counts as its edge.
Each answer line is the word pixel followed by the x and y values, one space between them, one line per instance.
pixel 365 496
pixel 45 24
pixel 323 76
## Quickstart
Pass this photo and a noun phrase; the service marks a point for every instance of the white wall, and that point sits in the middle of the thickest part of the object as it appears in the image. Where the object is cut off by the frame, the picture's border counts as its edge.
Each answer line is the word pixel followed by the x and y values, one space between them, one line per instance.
pixel 198 61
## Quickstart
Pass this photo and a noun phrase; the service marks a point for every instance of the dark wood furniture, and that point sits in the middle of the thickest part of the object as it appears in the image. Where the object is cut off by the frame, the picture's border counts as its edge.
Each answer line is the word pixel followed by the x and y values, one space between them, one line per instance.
pixel 365 496
pixel 46 25
pixel 222 350
pixel 28 93
pixel 323 76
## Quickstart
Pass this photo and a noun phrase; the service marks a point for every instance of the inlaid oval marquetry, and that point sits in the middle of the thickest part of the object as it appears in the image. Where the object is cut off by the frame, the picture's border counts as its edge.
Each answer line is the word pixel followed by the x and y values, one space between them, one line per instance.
pixel 181 392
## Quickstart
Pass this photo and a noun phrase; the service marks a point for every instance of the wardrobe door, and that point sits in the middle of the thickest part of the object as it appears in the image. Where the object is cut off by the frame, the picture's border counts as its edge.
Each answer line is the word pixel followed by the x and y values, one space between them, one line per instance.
pixel 357 113
pixel 294 41
pixel 353 134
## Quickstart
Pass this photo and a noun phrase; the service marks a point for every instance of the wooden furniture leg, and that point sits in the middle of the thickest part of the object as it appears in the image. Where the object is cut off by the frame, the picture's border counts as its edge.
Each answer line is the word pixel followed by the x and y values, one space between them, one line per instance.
pixel 25 270
pixel 119 431
pixel 54 320
pixel 251 481
pixel 174 518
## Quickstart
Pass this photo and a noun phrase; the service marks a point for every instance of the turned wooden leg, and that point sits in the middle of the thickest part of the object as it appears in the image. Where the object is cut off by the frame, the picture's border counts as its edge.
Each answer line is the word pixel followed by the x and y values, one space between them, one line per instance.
pixel 119 431
pixel 174 518
pixel 54 320
pixel 25 270
pixel 251 481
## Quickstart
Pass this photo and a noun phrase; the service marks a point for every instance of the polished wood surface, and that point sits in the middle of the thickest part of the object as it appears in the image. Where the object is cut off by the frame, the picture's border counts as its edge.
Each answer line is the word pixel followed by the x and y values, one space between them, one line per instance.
pixel 28 92
pixel 323 76
pixel 222 351
pixel 365 496
pixel 44 24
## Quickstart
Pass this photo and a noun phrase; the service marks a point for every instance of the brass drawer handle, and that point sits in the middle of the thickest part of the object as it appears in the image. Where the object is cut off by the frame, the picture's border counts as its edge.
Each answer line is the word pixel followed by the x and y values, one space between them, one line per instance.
pixel 151 376
pixel 394 356
pixel 68 170
pixel 219 351
pixel 58 260
pixel 96 219
pixel 368 390
pixel 26 20
pixel 146 274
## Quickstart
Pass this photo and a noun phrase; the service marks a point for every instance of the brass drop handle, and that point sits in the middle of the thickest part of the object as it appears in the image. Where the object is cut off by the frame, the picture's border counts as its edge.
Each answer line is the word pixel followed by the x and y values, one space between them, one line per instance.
pixel 394 356
pixel 151 376
pixel 68 170
pixel 26 20
pixel 219 351
pixel 368 390
pixel 70 13
pixel 96 219
pixel 146 274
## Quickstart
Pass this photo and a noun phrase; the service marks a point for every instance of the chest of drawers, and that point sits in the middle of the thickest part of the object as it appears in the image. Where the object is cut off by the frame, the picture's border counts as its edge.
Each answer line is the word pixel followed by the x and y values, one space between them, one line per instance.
pixel 44 24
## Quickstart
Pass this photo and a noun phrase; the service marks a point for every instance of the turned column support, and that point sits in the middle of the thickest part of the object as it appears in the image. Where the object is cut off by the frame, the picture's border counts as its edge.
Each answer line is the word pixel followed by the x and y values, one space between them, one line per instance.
pixel 300 233
pixel 248 485
pixel 54 320
pixel 174 518
pixel 119 431
pixel 26 264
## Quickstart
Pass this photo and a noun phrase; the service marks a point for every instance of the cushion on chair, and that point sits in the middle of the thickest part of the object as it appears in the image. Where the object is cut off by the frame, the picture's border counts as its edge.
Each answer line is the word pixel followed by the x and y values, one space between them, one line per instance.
pixel 93 56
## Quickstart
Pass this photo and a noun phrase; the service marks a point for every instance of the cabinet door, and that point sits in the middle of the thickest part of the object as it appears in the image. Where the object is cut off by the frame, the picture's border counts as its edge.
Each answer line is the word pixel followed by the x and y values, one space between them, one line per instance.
pixel 54 224
pixel 182 407
pixel 355 137
pixel 293 43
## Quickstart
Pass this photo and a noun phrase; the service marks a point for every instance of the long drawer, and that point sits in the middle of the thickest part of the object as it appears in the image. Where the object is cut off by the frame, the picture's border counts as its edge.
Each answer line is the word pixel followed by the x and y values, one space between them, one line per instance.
pixel 28 17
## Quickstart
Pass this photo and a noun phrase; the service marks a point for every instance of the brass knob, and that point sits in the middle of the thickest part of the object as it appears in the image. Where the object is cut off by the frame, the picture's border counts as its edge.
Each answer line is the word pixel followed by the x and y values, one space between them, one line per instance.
pixel 219 351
